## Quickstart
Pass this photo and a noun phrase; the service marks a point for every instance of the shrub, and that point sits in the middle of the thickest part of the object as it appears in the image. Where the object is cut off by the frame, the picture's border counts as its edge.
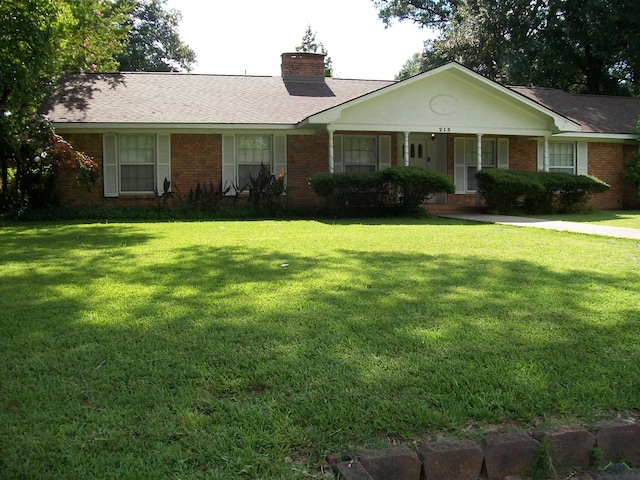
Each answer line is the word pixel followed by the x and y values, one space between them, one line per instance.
pixel 502 189
pixel 416 185
pixel 267 192
pixel 508 191
pixel 396 188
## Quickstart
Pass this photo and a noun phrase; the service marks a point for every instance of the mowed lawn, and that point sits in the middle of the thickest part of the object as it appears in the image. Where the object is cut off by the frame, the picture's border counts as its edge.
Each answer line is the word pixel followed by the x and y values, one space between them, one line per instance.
pixel 226 350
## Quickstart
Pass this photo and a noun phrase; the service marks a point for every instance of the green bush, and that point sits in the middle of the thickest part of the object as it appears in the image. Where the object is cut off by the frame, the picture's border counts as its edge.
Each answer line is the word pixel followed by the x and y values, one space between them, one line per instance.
pixel 416 184
pixel 396 188
pixel 503 189
pixel 507 191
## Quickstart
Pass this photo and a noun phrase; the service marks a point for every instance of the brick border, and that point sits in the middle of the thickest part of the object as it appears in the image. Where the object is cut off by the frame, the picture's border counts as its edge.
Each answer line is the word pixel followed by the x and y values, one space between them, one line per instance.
pixel 500 456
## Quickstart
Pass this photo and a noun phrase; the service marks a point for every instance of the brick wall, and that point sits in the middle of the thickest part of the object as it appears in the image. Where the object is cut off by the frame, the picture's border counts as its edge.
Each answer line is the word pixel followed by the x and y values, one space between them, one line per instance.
pixel 301 63
pixel 195 158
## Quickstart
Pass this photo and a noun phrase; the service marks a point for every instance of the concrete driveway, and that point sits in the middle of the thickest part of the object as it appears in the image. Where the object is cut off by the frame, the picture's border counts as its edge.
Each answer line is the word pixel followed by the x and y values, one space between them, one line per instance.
pixel 561 225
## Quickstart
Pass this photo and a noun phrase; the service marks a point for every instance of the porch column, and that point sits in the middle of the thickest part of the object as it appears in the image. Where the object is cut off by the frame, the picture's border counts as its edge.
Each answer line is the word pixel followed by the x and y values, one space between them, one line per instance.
pixel 406 149
pixel 545 155
pixel 331 151
pixel 479 167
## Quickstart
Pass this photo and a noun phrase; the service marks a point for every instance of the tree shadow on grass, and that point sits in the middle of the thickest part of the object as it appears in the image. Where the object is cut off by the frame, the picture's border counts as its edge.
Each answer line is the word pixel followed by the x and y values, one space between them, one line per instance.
pixel 232 359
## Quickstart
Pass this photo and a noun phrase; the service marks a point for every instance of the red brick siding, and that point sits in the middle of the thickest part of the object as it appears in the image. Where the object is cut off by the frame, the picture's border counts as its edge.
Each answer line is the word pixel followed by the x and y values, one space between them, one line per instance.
pixel 606 162
pixel 300 63
pixel 195 158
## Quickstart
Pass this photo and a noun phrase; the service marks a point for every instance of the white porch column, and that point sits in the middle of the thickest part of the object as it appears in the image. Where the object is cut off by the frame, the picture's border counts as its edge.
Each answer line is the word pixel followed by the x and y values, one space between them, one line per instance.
pixel 331 151
pixel 406 149
pixel 545 155
pixel 479 158
pixel 479 167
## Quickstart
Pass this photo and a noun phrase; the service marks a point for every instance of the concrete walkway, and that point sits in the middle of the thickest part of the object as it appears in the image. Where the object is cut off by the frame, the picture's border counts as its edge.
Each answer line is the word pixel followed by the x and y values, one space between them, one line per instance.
pixel 576 227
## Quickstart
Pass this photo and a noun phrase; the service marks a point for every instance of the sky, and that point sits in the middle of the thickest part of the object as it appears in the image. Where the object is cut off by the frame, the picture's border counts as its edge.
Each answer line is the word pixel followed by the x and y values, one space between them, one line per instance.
pixel 247 37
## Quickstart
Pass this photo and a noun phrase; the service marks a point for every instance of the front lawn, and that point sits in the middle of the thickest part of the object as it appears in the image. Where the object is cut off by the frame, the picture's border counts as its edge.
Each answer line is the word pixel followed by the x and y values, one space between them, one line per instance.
pixel 226 350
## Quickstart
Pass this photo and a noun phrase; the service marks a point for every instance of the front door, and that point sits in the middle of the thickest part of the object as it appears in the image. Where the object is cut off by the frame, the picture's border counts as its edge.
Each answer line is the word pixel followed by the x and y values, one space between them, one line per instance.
pixel 429 151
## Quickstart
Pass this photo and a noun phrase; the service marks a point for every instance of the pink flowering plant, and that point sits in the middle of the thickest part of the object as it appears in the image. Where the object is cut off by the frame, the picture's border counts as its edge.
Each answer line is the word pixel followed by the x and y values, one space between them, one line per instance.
pixel 64 156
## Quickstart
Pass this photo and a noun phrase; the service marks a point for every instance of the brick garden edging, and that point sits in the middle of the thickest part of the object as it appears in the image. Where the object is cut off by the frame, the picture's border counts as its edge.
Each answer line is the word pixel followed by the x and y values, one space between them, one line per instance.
pixel 499 456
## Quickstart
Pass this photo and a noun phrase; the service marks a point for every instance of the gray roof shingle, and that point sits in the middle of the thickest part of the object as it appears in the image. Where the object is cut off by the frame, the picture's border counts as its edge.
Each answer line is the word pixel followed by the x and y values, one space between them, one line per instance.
pixel 595 113
pixel 189 99
pixel 174 98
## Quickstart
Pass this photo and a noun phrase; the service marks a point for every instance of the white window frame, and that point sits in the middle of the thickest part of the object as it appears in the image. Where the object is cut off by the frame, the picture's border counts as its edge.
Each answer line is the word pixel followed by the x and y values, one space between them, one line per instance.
pixel 555 155
pixel 123 154
pixel 348 154
pixel 253 157
pixel 489 159
pixel 114 157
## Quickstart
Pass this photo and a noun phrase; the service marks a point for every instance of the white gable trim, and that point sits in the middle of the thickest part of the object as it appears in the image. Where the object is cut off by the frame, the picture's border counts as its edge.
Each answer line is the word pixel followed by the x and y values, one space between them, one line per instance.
pixel 556 122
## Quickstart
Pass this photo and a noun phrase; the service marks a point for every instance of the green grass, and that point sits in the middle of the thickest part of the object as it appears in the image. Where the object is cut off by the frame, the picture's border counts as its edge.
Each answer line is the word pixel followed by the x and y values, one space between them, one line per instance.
pixel 226 350
pixel 615 218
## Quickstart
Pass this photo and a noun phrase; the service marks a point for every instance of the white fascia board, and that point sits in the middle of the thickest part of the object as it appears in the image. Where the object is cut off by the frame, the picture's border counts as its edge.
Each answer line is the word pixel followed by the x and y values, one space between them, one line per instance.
pixel 610 137
pixel 174 127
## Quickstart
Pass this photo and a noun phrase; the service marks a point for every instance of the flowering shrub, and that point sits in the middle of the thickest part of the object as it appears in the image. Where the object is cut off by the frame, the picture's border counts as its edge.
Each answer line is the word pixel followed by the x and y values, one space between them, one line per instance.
pixel 64 156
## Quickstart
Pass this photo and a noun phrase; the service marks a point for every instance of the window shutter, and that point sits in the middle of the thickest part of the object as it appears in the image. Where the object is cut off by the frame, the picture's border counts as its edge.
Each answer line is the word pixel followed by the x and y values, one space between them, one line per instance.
pixel 279 154
pixel 228 161
pixel 384 152
pixel 163 168
pixel 460 169
pixel 338 160
pixel 540 155
pixel 503 153
pixel 583 167
pixel 110 165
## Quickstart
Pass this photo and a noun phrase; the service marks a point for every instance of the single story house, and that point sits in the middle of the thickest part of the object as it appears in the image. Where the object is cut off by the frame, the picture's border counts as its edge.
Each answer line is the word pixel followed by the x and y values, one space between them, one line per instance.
pixel 145 127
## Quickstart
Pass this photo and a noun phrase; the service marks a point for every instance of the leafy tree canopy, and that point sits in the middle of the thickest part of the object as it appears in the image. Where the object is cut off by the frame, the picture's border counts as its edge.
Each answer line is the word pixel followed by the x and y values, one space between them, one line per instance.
pixel 153 42
pixel 576 45
pixel 311 45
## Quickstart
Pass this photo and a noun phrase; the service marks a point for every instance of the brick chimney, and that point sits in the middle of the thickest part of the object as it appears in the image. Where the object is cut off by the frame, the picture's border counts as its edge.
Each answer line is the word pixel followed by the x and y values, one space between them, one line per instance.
pixel 303 66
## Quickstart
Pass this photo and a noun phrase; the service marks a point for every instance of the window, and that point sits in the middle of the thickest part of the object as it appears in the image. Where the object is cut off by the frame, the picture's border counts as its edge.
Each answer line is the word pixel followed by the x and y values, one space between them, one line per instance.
pixel 489 159
pixel 137 154
pixel 360 154
pixel 562 157
pixel 252 152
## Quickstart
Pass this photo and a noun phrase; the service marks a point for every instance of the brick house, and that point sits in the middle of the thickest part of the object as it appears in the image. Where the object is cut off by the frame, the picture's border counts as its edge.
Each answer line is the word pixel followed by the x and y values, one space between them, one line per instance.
pixel 145 127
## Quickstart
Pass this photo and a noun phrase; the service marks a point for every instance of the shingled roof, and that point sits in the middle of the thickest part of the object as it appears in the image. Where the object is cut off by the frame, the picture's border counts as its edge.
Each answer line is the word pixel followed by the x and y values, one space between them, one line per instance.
pixel 175 98
pixel 595 113
pixel 209 100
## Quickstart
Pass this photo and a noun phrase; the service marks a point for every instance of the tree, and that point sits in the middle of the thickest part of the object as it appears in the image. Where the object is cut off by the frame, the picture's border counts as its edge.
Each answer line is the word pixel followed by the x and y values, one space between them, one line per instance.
pixel 40 39
pixel 309 44
pixel 576 45
pixel 153 42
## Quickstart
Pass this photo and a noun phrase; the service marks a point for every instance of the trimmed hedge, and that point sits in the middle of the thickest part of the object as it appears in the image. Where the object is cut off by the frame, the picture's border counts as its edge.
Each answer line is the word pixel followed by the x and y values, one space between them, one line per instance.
pixel 395 188
pixel 508 191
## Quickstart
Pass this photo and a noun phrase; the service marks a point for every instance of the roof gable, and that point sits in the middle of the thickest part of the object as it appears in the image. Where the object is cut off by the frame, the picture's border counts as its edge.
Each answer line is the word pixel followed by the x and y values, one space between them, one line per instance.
pixel 450 98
